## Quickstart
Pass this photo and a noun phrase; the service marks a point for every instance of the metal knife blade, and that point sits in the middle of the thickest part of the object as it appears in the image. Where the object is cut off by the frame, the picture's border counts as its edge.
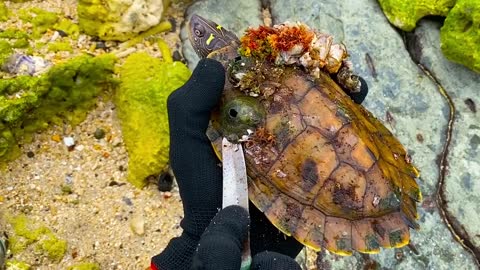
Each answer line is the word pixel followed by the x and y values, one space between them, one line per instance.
pixel 235 187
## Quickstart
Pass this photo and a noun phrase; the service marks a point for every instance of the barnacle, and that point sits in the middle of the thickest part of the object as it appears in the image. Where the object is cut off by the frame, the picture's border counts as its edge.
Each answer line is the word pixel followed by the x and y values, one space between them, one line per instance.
pixel 294 44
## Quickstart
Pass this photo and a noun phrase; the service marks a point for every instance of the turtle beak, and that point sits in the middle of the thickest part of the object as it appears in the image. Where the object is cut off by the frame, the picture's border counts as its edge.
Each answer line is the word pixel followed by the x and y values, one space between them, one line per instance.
pixel 207 36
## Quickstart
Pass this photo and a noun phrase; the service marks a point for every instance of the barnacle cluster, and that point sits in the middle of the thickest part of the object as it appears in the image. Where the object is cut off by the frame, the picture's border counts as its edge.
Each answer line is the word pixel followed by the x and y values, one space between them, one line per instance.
pixel 294 44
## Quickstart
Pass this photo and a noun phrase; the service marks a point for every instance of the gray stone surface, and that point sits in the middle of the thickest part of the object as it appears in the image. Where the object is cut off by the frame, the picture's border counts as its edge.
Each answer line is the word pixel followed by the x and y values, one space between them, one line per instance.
pixel 463 86
pixel 418 117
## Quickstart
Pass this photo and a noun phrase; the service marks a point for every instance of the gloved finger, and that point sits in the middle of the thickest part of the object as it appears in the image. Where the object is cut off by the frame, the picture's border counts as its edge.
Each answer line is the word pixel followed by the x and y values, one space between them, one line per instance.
pixel 198 96
pixel 220 246
pixel 360 96
pixel 191 155
pixel 265 236
pixel 268 260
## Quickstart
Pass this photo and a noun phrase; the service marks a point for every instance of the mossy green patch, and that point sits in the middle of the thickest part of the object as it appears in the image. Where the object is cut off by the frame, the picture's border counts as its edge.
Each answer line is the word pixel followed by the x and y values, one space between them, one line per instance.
pixel 4 12
pixel 460 35
pixel 42 20
pixel 27 232
pixel 69 27
pixel 141 102
pixel 11 38
pixel 404 14
pixel 85 266
pixel 17 265
pixel 60 46
pixel 6 50
pixel 66 91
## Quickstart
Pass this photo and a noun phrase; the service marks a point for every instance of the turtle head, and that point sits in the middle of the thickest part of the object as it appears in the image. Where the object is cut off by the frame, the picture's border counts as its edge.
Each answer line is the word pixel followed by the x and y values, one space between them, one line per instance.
pixel 241 116
pixel 207 36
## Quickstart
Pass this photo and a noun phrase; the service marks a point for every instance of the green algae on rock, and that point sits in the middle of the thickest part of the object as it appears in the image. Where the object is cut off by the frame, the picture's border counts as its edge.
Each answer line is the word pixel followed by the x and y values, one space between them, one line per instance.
pixel 84 266
pixel 42 20
pixel 4 12
pixel 17 265
pixel 67 26
pixel 11 38
pixel 404 14
pixel 66 91
pixel 460 37
pixel 60 46
pixel 27 233
pixel 118 20
pixel 141 101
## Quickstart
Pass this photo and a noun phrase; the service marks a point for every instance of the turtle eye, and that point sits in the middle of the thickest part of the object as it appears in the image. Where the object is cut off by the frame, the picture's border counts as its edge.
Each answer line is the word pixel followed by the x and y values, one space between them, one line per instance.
pixel 199 30
pixel 240 114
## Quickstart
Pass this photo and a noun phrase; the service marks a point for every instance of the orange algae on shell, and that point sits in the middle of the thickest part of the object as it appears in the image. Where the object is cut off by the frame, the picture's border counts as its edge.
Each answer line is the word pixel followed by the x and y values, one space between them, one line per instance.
pixel 267 42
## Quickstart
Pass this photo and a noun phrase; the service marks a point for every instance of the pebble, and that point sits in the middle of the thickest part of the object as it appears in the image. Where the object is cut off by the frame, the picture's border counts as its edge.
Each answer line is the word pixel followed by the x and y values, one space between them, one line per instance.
pixel 100 45
pixel 177 56
pixel 165 182
pixel 99 134
pixel 62 33
pixel 69 142
pixel 137 224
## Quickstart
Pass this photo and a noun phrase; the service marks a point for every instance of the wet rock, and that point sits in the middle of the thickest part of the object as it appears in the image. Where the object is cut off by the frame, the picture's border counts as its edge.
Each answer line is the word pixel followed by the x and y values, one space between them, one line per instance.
pixel 118 20
pixel 241 15
pixel 404 14
pixel 398 85
pixel 463 162
pixel 460 36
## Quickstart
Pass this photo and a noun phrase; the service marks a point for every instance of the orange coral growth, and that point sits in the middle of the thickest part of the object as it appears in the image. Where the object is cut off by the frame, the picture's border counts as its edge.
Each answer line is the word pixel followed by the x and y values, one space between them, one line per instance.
pixel 291 36
pixel 268 42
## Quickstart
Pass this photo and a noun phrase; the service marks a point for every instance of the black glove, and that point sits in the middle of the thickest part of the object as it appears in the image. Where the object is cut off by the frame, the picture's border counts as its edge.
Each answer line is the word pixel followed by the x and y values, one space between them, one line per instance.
pixel 199 175
pixel 220 246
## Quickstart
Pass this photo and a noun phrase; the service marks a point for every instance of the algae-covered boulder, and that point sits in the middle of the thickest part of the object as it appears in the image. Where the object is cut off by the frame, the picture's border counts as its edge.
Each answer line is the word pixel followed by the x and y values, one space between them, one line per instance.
pixel 460 34
pixel 84 266
pixel 29 233
pixel 404 14
pixel 141 102
pixel 66 91
pixel 118 19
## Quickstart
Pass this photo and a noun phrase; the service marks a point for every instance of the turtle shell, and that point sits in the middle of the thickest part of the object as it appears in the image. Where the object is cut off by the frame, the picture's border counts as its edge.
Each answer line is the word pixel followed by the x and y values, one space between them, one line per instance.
pixel 322 168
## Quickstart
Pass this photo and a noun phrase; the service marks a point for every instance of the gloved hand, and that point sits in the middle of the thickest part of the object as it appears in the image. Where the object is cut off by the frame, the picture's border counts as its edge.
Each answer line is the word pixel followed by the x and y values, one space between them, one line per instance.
pixel 199 175
pixel 220 246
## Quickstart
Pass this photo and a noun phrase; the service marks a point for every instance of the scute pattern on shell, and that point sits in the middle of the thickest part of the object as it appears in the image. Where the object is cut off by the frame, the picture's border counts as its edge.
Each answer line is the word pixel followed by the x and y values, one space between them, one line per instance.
pixel 336 177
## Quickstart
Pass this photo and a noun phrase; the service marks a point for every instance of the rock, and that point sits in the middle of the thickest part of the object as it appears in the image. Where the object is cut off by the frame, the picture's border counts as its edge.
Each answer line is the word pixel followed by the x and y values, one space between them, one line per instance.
pixel 404 14
pixel 118 19
pixel 397 87
pixel 165 182
pixel 463 198
pixel 99 134
pixel 141 101
pixel 137 224
pixel 403 97
pixel 460 37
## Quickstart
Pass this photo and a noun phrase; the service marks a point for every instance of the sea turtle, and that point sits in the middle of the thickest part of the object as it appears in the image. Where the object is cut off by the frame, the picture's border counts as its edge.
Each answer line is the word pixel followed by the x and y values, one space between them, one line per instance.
pixel 320 166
